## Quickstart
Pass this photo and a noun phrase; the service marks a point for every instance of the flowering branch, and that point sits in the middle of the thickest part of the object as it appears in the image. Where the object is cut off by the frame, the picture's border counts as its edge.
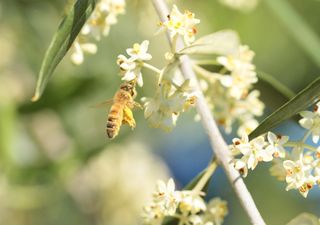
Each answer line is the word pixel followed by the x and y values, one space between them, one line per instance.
pixel 217 142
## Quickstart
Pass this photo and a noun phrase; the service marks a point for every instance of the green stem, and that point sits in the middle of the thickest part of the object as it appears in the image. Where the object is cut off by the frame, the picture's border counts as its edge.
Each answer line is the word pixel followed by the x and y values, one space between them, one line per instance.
pixel 151 67
pixel 284 90
pixel 205 73
pixel 205 178
pixel 306 135
pixel 7 121
pixel 293 144
pixel 205 62
pixel 174 44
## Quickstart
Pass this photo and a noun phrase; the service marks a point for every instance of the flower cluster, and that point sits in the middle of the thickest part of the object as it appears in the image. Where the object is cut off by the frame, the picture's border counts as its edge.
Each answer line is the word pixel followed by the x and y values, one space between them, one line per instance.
pixel 98 25
pixel 257 150
pixel 170 100
pixel 181 24
pixel 229 91
pixel 187 206
pixel 295 162
pixel 242 5
pixel 131 67
pixel 106 193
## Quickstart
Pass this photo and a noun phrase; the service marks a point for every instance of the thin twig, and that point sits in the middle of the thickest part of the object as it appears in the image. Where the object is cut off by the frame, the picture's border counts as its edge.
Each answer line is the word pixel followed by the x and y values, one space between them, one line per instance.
pixel 217 142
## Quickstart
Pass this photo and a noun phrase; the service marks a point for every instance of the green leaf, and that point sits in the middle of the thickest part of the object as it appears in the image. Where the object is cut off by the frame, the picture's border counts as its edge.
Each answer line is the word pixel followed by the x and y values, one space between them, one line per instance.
pixel 300 102
pixel 298 27
pixel 275 84
pixel 62 40
pixel 224 42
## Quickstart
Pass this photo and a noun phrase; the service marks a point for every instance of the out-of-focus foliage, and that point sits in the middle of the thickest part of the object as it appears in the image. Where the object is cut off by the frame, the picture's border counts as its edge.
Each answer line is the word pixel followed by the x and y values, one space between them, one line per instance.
pixel 43 145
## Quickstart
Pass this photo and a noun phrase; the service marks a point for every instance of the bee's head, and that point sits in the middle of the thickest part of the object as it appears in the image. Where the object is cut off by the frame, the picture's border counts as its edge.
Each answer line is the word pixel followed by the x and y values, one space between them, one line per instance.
pixel 129 87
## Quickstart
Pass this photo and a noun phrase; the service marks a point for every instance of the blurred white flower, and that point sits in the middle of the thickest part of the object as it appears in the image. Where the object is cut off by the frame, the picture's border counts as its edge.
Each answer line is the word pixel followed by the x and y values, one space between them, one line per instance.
pixel 216 211
pixel 102 18
pixel 163 110
pixel 191 202
pixel 311 121
pixel 242 70
pixel 78 49
pixel 110 186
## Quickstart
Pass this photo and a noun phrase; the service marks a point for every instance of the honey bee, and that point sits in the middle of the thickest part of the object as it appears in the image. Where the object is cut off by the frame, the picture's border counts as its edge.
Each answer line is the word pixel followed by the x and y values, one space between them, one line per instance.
pixel 120 112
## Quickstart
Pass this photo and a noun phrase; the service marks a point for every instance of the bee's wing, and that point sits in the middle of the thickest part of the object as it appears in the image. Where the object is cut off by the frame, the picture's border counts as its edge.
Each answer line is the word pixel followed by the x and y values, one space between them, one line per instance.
pixel 103 104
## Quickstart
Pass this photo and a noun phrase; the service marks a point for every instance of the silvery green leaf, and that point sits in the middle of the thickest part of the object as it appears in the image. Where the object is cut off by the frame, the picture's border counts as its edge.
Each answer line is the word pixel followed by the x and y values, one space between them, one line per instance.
pixel 224 42
pixel 62 40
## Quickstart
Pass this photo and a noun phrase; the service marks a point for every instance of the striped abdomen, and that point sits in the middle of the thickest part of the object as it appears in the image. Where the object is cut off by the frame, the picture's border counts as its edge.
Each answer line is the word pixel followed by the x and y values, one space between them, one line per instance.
pixel 114 120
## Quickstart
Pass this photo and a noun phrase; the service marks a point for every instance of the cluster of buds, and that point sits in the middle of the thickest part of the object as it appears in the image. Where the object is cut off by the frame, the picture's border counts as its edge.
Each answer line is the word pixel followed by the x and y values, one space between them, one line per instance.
pixel 98 25
pixel 187 206
pixel 229 92
pixel 296 162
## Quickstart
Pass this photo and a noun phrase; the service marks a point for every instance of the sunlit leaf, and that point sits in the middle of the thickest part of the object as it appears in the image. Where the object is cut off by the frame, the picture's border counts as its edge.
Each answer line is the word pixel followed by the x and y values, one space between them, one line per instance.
pixel 305 219
pixel 223 42
pixel 300 102
pixel 62 40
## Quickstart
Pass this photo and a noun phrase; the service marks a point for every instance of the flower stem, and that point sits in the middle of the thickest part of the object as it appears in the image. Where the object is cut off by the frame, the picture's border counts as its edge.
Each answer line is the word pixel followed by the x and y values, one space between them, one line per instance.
pixel 205 62
pixel 218 144
pixel 151 67
pixel 206 176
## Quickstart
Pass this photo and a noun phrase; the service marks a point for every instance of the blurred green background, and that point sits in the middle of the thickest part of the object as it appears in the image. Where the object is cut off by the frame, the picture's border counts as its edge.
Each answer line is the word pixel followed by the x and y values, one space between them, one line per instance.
pixel 56 165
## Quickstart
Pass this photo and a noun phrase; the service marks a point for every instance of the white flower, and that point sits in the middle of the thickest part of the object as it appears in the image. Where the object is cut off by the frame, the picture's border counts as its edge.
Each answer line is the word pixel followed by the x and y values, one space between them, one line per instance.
pixel 166 196
pixel 257 153
pixel 129 70
pixel 242 70
pixel 311 121
pixel 195 220
pixel 298 176
pixel 276 144
pixel 139 51
pixel 181 24
pixel 191 202
pixel 216 211
pixel 104 15
pixel 277 170
pixel 247 126
pixel 163 110
pixel 79 48
pixel 152 215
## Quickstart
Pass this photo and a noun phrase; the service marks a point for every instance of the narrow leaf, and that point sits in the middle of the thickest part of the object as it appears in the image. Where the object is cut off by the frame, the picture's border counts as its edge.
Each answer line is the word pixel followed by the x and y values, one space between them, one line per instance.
pixel 62 40
pixel 223 42
pixel 276 85
pixel 300 102
pixel 298 27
